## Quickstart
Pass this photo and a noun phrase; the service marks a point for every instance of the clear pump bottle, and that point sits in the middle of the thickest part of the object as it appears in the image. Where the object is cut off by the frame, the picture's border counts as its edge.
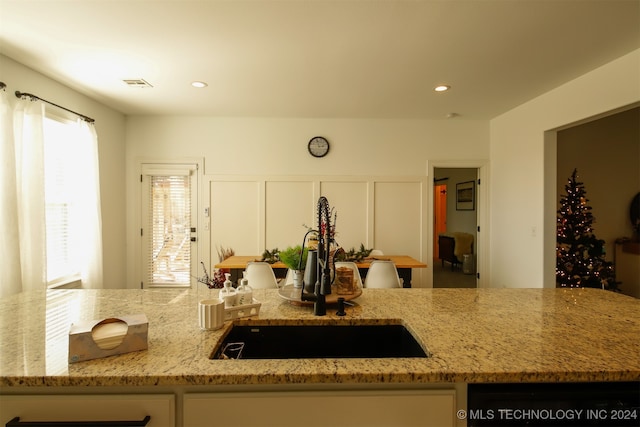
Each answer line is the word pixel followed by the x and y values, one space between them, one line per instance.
pixel 244 291
pixel 228 293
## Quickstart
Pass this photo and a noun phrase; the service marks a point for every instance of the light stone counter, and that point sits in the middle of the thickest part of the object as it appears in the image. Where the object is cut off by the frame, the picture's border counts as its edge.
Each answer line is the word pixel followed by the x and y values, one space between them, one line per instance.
pixel 474 335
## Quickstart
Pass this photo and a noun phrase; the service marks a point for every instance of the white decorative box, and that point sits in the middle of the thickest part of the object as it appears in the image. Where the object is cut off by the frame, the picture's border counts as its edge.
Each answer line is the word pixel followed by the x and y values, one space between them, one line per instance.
pixel 245 310
pixel 95 339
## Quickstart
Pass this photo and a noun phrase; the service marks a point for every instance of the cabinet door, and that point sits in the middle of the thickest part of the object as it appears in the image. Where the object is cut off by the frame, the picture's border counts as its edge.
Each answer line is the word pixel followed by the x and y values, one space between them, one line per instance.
pixel 111 407
pixel 353 408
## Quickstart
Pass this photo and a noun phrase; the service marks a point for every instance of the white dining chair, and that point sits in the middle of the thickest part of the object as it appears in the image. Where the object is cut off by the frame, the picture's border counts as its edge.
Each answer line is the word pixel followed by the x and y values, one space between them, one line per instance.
pixel 376 252
pixel 382 274
pixel 356 273
pixel 260 275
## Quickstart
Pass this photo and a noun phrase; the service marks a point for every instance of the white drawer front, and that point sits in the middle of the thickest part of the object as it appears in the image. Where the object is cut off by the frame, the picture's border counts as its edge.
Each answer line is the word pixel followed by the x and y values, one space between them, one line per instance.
pixel 358 408
pixel 107 407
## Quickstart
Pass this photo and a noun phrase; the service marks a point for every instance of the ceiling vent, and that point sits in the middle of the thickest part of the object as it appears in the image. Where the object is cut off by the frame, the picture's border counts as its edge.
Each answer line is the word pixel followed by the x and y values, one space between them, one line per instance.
pixel 137 83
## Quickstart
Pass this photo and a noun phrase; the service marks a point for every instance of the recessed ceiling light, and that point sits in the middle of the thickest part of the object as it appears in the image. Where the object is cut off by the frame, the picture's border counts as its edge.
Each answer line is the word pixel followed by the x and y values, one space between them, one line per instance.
pixel 442 88
pixel 199 84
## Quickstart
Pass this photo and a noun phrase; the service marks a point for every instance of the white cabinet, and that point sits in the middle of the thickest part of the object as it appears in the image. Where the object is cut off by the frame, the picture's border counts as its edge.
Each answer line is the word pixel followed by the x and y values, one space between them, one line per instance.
pixel 110 407
pixel 396 408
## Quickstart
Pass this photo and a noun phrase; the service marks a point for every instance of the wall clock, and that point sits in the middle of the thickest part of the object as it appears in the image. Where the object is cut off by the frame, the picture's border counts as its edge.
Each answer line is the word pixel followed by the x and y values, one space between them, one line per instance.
pixel 318 146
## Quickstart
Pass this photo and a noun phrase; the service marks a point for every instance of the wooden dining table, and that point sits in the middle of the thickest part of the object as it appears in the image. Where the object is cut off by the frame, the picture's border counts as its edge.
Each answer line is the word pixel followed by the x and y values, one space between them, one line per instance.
pixel 404 264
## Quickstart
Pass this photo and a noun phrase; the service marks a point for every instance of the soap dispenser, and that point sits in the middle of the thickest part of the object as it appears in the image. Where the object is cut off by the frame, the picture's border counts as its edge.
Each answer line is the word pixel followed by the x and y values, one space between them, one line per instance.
pixel 244 291
pixel 228 294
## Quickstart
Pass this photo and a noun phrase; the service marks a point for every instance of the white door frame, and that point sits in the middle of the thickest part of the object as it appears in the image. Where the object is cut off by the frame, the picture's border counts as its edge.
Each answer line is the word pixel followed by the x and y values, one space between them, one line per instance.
pixel 134 263
pixel 482 206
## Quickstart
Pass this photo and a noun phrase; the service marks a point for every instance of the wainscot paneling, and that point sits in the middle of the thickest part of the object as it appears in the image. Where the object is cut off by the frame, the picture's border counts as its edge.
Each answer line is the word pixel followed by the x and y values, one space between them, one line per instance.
pixel 398 217
pixel 351 202
pixel 236 218
pixel 254 213
pixel 288 205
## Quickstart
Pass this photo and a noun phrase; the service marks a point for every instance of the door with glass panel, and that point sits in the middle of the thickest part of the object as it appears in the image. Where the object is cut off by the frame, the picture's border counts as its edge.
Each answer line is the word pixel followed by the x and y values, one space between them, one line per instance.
pixel 168 232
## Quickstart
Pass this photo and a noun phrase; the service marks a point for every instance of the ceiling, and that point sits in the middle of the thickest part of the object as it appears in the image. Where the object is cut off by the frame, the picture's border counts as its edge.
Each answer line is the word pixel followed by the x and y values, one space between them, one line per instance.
pixel 317 59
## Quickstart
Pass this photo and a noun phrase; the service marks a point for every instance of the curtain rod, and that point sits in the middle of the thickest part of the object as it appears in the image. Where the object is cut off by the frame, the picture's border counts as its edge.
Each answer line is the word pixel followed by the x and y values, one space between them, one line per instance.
pixel 34 97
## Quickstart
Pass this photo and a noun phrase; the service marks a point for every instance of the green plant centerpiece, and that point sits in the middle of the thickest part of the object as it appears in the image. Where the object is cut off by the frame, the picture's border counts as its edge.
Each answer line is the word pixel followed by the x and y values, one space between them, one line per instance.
pixel 295 258
pixel 291 257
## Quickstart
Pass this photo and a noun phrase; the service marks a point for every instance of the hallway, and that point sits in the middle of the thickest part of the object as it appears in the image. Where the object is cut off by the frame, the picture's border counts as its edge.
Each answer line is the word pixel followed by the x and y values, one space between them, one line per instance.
pixel 443 277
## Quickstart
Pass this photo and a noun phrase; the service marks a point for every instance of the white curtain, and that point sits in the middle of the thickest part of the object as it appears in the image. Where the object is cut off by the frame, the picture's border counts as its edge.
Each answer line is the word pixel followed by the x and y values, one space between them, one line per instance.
pixel 90 217
pixel 10 270
pixel 22 200
pixel 29 166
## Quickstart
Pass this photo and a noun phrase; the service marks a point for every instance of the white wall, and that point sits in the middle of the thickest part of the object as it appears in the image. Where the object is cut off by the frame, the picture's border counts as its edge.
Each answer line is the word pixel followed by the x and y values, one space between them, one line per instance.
pixel 523 170
pixel 277 147
pixel 110 126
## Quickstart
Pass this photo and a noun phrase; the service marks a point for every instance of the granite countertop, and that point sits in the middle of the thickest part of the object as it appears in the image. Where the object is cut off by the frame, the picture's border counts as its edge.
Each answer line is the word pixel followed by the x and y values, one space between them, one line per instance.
pixel 473 335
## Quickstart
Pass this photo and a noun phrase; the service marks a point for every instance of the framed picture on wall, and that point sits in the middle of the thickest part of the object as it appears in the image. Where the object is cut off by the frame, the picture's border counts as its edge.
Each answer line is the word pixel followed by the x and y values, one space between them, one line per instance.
pixel 466 196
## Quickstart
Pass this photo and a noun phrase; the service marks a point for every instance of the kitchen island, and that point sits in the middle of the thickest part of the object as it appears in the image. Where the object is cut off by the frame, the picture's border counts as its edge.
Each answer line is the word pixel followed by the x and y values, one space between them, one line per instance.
pixel 472 336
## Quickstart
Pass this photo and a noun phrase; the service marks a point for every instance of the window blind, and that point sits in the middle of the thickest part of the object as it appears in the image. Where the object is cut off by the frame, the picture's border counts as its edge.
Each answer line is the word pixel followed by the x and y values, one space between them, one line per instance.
pixel 170 227
pixel 60 199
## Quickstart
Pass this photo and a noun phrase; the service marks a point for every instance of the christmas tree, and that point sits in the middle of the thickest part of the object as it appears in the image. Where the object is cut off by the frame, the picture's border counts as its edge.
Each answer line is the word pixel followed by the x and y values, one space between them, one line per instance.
pixel 580 256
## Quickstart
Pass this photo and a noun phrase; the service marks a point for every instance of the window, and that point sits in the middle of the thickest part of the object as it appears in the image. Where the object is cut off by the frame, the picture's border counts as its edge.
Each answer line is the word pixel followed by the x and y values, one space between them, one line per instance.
pixel 62 196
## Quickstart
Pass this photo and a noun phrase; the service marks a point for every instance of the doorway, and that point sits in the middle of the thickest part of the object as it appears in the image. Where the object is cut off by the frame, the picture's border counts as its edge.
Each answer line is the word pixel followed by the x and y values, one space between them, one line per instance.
pixel 455 222
pixel 168 225
pixel 439 212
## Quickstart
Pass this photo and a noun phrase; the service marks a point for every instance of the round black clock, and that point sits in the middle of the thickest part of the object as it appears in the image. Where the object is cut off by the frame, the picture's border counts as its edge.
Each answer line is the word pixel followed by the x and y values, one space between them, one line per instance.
pixel 318 146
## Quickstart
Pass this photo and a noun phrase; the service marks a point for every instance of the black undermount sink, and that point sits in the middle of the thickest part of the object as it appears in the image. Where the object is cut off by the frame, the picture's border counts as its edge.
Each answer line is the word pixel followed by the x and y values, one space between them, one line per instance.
pixel 318 341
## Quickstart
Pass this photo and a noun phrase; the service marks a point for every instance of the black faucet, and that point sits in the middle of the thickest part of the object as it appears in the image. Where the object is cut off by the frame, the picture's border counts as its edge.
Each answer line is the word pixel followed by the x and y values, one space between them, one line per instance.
pixel 322 286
